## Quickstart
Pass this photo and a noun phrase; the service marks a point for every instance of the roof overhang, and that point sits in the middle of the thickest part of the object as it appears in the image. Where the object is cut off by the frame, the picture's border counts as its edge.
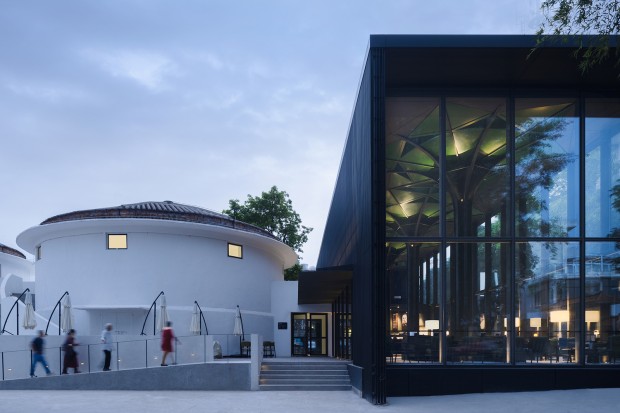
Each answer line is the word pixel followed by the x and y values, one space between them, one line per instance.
pixel 415 63
pixel 322 286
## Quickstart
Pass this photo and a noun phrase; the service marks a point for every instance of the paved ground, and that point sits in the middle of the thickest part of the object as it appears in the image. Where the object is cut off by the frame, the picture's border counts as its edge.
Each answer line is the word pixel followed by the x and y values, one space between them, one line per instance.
pixel 569 401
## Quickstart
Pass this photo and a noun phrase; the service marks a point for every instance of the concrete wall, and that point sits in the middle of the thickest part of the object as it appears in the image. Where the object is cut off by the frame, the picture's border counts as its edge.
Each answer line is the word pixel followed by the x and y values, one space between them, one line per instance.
pixel 283 303
pixel 208 376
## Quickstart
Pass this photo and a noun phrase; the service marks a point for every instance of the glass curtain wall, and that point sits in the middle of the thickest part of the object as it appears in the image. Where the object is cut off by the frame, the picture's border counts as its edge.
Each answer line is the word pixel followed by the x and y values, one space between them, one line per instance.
pixel 485 232
pixel 602 258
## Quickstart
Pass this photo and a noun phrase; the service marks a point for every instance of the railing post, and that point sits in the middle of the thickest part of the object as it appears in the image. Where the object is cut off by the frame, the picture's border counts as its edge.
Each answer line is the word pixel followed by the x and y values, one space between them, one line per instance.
pixel 146 354
pixel 118 357
pixel 88 352
pixel 3 366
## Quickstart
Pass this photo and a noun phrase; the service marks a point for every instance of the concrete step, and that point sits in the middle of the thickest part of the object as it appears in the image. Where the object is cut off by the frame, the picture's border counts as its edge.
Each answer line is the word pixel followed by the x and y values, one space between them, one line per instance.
pixel 305 372
pixel 345 381
pixel 304 376
pixel 282 366
pixel 304 387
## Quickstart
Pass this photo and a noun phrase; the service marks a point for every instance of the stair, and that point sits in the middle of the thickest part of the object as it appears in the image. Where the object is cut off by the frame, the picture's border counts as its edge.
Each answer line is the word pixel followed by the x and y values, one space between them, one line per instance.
pixel 294 375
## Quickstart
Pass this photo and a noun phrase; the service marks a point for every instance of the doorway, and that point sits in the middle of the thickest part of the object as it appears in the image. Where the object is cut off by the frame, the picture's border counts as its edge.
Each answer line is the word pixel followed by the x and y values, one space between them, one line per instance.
pixel 309 334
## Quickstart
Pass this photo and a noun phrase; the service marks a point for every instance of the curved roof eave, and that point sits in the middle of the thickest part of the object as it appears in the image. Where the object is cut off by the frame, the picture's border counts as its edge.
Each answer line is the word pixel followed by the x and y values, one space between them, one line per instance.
pixel 11 251
pixel 30 238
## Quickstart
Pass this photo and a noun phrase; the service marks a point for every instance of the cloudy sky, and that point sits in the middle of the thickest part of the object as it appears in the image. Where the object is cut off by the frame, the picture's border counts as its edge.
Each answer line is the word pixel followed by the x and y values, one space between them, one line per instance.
pixel 112 102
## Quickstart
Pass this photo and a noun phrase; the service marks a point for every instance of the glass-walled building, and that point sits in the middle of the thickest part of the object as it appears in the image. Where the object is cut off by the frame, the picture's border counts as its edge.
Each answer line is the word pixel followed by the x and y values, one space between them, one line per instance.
pixel 478 203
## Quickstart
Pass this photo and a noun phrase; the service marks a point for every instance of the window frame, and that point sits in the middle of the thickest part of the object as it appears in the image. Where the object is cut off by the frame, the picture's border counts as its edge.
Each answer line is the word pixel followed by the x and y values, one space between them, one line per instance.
pixel 116 234
pixel 240 257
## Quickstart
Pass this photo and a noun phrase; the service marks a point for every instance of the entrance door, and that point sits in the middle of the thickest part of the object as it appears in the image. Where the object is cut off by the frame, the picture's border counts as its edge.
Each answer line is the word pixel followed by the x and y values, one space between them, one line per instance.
pixel 309 334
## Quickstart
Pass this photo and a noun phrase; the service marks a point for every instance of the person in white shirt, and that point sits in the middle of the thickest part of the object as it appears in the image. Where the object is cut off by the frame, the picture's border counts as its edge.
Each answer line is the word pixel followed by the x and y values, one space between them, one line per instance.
pixel 106 339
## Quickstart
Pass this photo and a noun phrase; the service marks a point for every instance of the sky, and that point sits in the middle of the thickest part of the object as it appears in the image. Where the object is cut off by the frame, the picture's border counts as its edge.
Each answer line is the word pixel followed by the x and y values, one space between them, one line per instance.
pixel 110 102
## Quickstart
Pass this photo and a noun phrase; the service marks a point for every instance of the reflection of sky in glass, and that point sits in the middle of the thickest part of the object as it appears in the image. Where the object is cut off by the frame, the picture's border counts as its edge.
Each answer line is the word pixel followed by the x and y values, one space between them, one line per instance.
pixel 602 173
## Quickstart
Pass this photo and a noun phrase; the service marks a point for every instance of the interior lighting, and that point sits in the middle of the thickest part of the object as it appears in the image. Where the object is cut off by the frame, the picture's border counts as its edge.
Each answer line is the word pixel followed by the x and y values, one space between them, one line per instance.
pixel 559 316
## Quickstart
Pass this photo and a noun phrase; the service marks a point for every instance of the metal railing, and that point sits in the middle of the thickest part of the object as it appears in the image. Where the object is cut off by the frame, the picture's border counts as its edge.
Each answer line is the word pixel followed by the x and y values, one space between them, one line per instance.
pixel 126 355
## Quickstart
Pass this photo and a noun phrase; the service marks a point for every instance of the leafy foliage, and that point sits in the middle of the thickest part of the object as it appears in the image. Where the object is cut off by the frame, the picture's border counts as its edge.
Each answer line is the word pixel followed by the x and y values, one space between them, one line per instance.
pixel 582 18
pixel 273 211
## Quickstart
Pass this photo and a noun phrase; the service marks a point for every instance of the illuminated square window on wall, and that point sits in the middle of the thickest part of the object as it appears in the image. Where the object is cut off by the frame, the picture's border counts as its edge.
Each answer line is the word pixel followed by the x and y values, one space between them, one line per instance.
pixel 117 241
pixel 235 251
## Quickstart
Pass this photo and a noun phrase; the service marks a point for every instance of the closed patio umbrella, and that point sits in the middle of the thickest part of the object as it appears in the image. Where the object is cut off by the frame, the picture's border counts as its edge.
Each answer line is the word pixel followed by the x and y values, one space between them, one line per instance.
pixel 66 320
pixel 163 313
pixel 29 321
pixel 238 330
pixel 194 327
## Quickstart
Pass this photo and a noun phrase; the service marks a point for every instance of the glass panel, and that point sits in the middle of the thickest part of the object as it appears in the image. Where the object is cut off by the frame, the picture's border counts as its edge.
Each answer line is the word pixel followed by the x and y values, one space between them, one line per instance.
pixel 602 302
pixel 477 185
pixel 547 167
pixel 413 272
pixel 117 241
pixel 413 139
pixel 602 167
pixel 235 251
pixel 547 288
pixel 300 337
pixel 477 306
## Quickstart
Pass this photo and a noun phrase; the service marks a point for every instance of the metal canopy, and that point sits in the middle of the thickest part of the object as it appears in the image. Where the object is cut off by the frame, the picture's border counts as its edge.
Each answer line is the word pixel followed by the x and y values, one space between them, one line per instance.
pixel 322 286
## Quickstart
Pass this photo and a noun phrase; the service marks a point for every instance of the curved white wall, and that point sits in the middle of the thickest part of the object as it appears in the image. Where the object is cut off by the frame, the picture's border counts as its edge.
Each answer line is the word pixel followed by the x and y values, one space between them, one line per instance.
pixel 185 260
pixel 10 264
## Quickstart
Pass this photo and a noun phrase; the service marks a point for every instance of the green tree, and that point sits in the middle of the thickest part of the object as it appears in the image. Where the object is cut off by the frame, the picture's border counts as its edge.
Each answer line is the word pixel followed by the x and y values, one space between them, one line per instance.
pixel 600 18
pixel 273 211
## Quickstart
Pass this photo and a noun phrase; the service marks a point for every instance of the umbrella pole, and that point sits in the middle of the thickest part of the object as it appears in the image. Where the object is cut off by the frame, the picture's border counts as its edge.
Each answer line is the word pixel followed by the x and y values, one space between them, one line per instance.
pixel 52 313
pixel 149 312
pixel 13 306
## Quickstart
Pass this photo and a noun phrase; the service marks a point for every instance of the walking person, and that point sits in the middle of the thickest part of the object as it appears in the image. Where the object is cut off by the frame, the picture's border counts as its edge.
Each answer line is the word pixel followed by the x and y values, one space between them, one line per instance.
pixel 106 339
pixel 167 335
pixel 71 359
pixel 37 354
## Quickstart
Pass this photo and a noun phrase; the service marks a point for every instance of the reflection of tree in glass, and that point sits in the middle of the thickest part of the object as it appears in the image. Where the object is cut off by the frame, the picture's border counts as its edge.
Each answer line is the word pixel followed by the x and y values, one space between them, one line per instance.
pixel 615 232
pixel 537 167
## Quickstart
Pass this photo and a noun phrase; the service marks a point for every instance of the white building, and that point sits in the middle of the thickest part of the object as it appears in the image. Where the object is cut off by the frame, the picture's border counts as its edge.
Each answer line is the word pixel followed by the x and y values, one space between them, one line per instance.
pixel 115 261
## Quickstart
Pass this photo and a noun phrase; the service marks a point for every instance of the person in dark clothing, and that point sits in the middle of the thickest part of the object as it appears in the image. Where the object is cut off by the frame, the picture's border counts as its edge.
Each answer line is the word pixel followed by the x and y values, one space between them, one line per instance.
pixel 37 346
pixel 71 360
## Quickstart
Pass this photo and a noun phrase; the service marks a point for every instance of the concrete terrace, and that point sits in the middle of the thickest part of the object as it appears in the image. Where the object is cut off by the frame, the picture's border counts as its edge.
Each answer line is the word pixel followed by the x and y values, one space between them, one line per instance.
pixel 577 401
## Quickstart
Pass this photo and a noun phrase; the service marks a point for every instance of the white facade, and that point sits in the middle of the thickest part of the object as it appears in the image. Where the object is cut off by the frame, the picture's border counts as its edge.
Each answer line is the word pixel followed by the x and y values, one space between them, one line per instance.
pixel 187 261
pixel 284 302
pixel 12 264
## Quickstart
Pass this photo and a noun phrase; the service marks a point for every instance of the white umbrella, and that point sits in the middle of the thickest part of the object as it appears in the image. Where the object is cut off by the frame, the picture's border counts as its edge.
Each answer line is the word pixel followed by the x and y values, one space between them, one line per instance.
pixel 29 321
pixel 163 313
pixel 66 320
pixel 194 327
pixel 238 330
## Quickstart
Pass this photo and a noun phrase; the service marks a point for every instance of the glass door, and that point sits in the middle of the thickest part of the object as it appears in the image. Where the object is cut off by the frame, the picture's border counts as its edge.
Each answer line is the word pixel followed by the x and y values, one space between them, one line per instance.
pixel 299 339
pixel 309 334
pixel 317 335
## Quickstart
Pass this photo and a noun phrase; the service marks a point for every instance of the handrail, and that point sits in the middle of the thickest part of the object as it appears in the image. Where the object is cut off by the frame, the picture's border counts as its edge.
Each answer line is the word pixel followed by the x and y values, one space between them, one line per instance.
pixel 59 313
pixel 154 315
pixel 7 316
pixel 88 363
pixel 203 319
